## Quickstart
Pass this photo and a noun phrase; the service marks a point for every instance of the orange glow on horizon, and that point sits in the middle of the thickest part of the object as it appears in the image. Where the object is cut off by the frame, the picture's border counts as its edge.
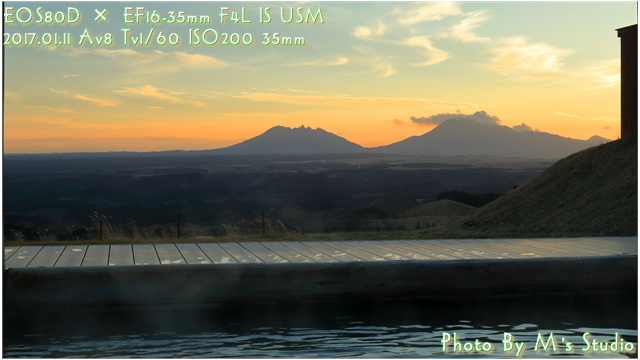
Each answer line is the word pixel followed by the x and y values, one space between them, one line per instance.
pixel 544 66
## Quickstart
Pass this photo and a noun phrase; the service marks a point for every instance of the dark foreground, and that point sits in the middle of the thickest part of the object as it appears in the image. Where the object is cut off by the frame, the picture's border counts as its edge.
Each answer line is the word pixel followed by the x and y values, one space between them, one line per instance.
pixel 373 328
pixel 316 299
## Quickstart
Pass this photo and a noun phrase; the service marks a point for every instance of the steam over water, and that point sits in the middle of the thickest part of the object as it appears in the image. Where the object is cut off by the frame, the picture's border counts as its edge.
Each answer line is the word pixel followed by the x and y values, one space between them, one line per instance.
pixel 328 330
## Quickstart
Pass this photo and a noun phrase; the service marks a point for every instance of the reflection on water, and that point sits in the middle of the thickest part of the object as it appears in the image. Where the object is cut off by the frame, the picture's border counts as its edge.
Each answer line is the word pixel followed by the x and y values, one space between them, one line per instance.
pixel 327 330
pixel 355 340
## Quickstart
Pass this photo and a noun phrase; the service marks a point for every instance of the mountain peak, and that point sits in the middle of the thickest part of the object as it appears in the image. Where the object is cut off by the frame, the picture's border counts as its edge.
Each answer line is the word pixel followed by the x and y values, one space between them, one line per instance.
pixel 465 136
pixel 466 122
pixel 598 140
pixel 301 140
pixel 301 128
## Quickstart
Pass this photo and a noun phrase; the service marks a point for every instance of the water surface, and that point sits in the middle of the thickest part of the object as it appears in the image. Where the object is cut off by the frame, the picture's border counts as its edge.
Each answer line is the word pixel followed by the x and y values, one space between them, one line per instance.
pixel 379 329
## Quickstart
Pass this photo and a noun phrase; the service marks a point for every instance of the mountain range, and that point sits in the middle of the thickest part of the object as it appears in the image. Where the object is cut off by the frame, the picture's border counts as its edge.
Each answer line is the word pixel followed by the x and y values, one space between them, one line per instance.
pixel 452 137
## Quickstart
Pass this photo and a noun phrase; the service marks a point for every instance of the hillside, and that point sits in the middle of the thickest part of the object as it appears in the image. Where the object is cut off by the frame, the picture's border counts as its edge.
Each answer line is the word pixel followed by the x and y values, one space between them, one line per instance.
pixel 591 193
pixel 442 207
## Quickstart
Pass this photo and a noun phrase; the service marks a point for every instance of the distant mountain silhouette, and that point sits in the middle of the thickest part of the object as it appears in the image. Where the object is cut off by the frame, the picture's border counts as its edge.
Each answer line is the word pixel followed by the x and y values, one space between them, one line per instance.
pixel 280 140
pixel 451 138
pixel 468 137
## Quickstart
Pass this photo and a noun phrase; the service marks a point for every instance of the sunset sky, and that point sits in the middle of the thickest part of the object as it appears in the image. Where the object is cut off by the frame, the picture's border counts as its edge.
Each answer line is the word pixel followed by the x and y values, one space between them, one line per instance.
pixel 372 72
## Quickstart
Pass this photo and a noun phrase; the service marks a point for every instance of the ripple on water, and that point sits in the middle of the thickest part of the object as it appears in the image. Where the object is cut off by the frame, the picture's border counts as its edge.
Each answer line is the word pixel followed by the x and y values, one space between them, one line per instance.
pixel 375 332
pixel 360 341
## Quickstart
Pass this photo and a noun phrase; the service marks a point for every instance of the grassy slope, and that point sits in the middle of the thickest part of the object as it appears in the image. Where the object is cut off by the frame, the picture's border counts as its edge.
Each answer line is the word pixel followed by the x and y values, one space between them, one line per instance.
pixel 590 193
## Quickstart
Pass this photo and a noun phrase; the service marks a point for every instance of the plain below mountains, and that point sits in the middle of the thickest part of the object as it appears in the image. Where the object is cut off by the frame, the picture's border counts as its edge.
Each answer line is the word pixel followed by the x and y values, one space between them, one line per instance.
pixel 451 138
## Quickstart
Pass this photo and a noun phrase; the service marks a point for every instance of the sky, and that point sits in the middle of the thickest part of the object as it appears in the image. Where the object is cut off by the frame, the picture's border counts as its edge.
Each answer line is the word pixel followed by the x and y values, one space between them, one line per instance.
pixel 213 74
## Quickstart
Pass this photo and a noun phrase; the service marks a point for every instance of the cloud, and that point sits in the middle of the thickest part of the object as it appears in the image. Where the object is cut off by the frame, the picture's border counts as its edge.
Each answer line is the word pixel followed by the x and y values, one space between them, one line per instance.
pixel 161 61
pixel 66 76
pixel 194 61
pixel 605 118
pixel 399 122
pixel 463 30
pixel 381 64
pixel 480 117
pixel 427 11
pixel 334 100
pixel 157 93
pixel 46 120
pixel 405 19
pixel 13 96
pixel 587 117
pixel 537 61
pixel 93 100
pixel 599 74
pixel 61 124
pixel 96 101
pixel 57 110
pixel 335 61
pixel 573 116
pixel 434 54
pixel 367 32
pixel 299 91
pixel 385 68
pixel 156 62
pixel 522 128
pixel 110 53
